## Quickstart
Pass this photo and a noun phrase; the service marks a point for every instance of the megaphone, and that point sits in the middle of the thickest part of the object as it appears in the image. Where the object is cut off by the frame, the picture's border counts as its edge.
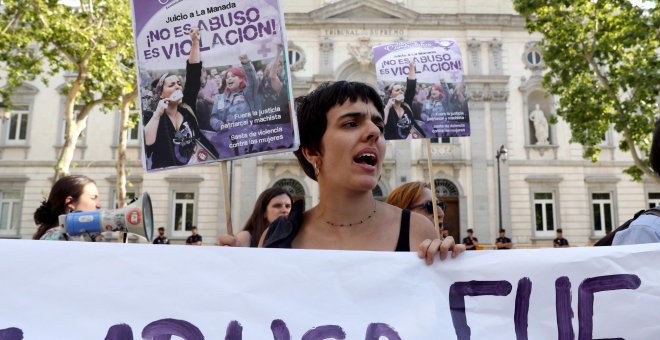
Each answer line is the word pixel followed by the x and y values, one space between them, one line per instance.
pixel 136 218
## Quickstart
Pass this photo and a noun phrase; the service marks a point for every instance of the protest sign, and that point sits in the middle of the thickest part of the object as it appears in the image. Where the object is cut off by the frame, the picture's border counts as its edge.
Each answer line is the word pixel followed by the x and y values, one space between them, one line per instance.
pixel 430 103
pixel 77 290
pixel 236 104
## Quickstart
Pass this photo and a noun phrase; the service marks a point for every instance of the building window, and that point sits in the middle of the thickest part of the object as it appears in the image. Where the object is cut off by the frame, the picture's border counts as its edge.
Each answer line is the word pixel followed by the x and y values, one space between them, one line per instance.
pixel 184 212
pixel 445 188
pixel 295 57
pixel 293 187
pixel 544 212
pixel 441 140
pixel 133 132
pixel 534 58
pixel 654 199
pixel 10 211
pixel 602 213
pixel 18 124
pixel 130 196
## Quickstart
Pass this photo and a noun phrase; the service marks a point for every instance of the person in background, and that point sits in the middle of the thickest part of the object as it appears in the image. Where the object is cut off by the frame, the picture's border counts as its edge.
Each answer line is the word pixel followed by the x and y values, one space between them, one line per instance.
pixel 416 197
pixel 470 242
pixel 161 239
pixel 560 241
pixel 205 99
pixel 194 239
pixel 445 233
pixel 271 204
pixel 503 242
pixel 68 194
pixel 646 227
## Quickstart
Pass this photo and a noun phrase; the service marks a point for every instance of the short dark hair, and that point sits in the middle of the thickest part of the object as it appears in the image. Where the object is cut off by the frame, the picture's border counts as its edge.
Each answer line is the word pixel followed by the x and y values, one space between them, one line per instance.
pixel 559 230
pixel 502 231
pixel 193 227
pixel 312 110
pixel 470 230
pixel 161 228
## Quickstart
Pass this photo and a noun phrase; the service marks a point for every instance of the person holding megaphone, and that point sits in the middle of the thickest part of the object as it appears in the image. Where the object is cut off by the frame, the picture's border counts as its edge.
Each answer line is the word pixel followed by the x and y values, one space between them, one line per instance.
pixel 68 194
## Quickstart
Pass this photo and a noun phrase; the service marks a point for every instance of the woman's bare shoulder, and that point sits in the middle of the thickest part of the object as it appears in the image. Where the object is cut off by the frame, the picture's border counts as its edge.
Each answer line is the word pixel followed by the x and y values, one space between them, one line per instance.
pixel 421 228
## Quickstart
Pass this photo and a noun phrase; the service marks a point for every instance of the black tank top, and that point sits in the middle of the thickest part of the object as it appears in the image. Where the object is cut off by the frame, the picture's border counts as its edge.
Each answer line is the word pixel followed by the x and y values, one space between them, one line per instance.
pixel 283 230
pixel 403 244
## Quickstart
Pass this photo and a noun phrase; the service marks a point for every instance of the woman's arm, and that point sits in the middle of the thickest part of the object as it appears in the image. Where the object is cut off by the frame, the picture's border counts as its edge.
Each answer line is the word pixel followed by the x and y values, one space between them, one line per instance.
pixel 274 69
pixel 252 87
pixel 193 71
pixel 151 129
pixel 411 85
pixel 194 56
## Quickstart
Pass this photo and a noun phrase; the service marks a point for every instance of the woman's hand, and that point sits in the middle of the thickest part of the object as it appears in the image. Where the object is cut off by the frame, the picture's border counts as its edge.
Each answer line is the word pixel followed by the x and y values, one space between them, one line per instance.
pixel 160 109
pixel 411 70
pixel 429 248
pixel 194 34
pixel 228 241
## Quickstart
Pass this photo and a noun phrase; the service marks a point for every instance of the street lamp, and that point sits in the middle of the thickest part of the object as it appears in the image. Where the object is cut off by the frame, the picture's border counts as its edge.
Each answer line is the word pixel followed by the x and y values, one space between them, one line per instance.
pixel 501 153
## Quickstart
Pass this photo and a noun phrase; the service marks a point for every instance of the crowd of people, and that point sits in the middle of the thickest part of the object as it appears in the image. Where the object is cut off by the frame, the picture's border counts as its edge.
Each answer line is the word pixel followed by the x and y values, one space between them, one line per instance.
pixel 207 107
pixel 343 126
pixel 409 106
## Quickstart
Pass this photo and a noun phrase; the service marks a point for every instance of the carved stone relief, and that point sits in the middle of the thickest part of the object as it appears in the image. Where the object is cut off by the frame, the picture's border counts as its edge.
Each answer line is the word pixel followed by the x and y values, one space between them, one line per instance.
pixel 362 51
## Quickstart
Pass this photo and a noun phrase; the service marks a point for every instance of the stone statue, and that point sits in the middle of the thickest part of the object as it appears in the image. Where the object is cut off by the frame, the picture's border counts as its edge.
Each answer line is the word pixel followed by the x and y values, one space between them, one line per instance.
pixel 540 125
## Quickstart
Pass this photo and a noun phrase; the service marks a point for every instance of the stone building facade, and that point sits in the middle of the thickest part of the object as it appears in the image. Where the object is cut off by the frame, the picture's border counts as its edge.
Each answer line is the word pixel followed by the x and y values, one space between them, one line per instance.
pixel 544 183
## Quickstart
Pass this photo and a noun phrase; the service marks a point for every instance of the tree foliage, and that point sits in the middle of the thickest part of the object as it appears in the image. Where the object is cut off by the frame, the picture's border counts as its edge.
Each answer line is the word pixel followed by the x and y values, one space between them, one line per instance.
pixel 91 43
pixel 602 58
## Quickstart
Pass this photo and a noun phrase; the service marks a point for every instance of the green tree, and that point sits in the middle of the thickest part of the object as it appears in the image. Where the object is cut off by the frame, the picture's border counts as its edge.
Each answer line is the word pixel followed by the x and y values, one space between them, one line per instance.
pixel 602 58
pixel 92 42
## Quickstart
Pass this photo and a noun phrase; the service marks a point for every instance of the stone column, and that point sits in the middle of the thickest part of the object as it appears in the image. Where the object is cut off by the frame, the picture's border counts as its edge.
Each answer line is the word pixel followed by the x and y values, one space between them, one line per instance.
pixel 481 209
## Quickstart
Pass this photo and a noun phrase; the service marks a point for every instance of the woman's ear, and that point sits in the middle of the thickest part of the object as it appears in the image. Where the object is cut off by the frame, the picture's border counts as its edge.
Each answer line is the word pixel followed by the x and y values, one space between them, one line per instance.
pixel 68 202
pixel 313 157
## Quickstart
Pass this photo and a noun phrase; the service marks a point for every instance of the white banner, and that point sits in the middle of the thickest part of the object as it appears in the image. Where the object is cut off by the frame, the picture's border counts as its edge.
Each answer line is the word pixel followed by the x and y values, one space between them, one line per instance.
pixel 75 290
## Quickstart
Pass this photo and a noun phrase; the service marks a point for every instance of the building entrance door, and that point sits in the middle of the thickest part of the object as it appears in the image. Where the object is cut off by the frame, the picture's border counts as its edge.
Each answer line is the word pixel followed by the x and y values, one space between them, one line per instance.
pixel 452 218
pixel 448 192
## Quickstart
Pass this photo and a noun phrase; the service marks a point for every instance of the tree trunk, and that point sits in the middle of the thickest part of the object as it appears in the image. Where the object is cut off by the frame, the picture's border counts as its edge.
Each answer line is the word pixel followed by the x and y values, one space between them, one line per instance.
pixel 120 167
pixel 72 128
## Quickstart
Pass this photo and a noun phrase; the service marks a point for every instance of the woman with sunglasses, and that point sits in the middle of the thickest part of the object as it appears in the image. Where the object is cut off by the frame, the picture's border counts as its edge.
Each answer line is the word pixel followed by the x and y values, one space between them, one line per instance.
pixel 416 197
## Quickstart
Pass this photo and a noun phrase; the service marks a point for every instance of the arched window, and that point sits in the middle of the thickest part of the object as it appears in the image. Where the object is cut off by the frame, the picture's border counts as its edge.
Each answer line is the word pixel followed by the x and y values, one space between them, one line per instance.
pixel 534 58
pixel 445 188
pixel 294 187
pixel 295 57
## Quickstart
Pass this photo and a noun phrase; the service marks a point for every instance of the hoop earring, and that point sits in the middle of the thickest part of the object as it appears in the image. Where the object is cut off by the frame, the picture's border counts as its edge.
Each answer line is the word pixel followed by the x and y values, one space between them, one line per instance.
pixel 316 170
